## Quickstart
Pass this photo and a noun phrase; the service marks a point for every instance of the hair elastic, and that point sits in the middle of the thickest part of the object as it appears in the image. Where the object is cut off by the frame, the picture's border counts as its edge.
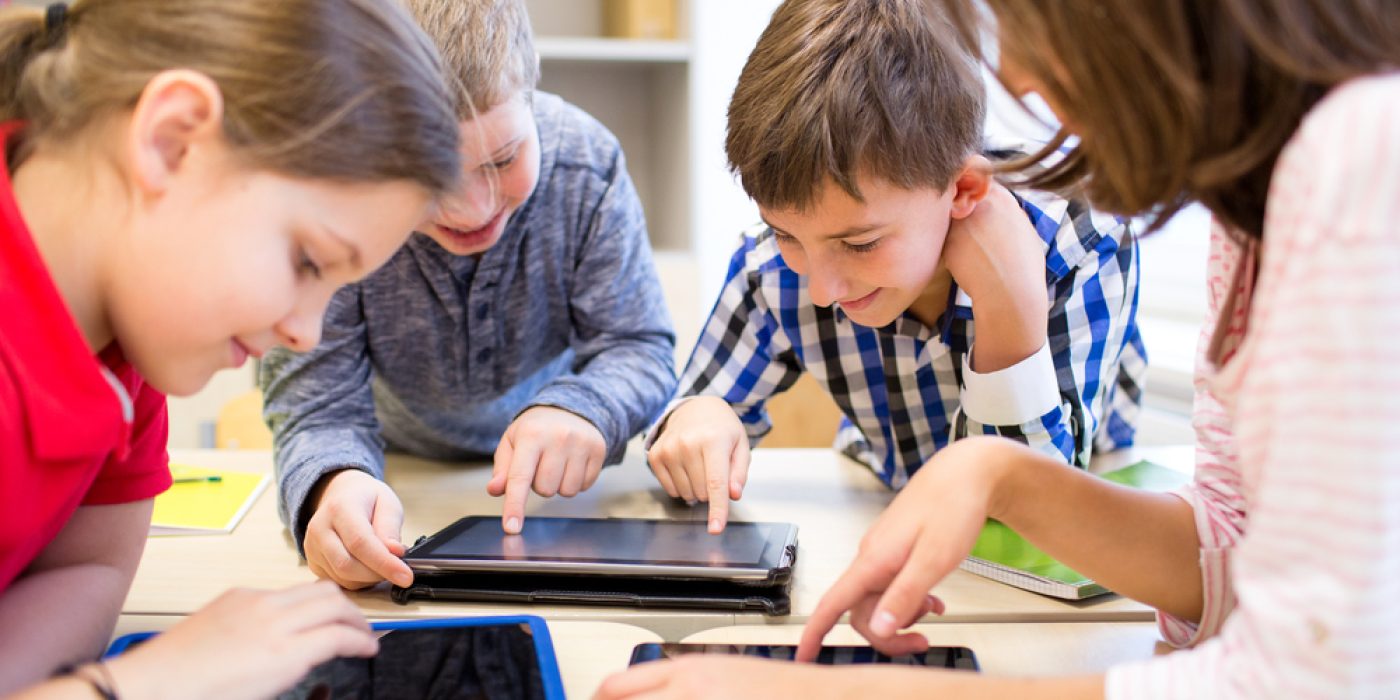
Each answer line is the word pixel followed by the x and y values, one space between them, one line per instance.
pixel 55 16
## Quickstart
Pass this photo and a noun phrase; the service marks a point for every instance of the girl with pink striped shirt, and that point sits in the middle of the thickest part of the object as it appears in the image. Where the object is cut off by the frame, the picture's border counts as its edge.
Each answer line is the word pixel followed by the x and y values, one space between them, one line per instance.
pixel 1279 567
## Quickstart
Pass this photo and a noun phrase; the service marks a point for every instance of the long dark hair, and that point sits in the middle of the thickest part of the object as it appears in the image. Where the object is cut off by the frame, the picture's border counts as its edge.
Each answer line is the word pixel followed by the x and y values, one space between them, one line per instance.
pixel 1182 100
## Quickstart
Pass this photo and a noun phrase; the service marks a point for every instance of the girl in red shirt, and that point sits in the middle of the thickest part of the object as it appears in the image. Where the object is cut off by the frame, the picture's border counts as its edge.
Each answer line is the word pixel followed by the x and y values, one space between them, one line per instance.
pixel 187 183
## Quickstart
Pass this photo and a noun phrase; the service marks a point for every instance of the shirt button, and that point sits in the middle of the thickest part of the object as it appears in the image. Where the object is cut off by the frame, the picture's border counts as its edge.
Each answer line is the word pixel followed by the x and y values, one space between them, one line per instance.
pixel 483 355
pixel 481 312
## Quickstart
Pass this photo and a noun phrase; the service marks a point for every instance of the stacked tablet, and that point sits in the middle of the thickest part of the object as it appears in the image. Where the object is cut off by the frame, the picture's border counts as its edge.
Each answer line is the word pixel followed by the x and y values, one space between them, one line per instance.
pixel 607 561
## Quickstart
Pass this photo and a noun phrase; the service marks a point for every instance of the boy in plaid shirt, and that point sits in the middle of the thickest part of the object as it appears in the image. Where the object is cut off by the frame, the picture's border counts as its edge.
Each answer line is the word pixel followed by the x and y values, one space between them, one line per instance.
pixel 930 301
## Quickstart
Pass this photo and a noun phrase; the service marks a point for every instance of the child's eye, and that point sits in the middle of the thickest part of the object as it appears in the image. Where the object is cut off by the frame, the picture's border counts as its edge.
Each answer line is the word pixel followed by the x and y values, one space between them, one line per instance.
pixel 861 247
pixel 307 266
pixel 503 163
pixel 782 238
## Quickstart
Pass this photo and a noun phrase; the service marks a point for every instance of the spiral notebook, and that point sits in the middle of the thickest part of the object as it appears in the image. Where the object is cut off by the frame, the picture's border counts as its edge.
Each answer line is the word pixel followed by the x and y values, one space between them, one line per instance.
pixel 205 501
pixel 1002 555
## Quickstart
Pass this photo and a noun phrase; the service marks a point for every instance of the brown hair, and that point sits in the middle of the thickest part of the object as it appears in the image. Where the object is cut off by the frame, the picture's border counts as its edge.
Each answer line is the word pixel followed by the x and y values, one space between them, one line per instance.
pixel 1189 100
pixel 345 90
pixel 840 87
pixel 487 49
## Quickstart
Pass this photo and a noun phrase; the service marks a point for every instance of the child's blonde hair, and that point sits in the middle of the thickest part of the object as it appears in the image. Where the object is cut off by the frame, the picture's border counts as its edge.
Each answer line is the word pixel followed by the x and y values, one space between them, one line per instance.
pixel 346 90
pixel 487 49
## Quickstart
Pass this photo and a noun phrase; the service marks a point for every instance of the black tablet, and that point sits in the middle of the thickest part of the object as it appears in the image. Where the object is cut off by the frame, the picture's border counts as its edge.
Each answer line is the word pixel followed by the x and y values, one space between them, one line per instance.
pixel 758 552
pixel 935 657
pixel 446 658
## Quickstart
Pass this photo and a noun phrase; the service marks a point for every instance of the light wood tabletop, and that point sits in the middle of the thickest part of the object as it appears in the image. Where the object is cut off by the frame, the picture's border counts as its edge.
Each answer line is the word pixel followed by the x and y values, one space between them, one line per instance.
pixel 830 498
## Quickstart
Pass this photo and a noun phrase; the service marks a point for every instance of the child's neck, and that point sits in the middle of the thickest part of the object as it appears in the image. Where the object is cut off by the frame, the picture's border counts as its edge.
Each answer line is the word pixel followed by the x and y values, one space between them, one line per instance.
pixel 69 237
pixel 933 301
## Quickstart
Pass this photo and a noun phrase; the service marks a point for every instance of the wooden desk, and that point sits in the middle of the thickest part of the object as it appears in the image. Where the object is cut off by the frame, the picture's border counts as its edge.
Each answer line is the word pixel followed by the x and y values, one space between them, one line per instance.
pixel 830 498
pixel 1038 649
pixel 588 652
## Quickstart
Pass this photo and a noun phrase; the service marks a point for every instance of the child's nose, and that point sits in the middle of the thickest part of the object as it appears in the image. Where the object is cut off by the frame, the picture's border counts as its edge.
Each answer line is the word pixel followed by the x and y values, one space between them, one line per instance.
pixel 825 284
pixel 301 330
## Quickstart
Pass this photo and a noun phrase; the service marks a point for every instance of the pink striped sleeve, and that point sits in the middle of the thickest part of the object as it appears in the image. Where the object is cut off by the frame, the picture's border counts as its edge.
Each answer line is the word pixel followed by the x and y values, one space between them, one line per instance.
pixel 1314 398
pixel 1215 494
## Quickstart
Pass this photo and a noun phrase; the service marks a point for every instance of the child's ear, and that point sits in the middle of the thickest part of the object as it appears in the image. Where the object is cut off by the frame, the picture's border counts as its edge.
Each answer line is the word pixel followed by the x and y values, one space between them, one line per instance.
pixel 177 110
pixel 970 186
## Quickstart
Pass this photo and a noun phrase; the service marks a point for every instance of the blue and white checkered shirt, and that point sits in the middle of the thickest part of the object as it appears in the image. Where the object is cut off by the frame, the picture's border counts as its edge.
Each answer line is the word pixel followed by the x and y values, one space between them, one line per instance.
pixel 906 389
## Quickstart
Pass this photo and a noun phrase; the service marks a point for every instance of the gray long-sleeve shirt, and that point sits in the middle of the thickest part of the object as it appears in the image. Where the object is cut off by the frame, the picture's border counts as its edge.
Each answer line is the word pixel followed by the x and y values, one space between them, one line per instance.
pixel 435 354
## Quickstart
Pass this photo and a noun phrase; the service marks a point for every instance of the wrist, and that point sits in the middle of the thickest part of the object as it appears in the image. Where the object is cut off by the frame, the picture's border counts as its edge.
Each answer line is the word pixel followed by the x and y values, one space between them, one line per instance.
pixel 999 471
pixel 1007 331
pixel 124 675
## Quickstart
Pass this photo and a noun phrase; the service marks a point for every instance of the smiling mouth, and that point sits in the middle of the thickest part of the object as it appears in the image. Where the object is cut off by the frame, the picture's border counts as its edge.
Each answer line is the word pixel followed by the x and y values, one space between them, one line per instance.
pixel 481 230
pixel 859 303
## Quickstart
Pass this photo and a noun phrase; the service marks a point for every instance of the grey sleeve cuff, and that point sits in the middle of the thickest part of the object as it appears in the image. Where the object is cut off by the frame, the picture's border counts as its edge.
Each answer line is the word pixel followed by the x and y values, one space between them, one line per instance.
pixel 304 458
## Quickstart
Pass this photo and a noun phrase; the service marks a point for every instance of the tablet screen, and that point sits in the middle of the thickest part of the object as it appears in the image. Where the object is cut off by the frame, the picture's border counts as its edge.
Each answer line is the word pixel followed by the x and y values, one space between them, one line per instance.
pixel 451 663
pixel 937 657
pixel 619 541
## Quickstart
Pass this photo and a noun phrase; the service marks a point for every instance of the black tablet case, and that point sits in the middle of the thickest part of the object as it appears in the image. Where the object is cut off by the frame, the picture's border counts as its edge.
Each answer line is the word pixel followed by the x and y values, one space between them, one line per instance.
pixel 769 597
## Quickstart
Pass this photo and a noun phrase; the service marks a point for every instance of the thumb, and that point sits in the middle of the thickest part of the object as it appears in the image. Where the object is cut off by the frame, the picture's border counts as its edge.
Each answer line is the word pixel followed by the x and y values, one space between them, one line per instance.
pixel 387 521
pixel 905 601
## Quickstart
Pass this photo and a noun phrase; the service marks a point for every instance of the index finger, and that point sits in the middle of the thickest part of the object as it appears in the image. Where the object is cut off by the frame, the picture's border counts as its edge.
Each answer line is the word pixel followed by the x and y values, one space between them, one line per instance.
pixel 523 462
pixel 843 595
pixel 716 461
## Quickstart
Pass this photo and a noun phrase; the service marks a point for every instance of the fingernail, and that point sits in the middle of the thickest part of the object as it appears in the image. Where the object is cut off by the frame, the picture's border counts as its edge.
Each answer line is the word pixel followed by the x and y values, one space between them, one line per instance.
pixel 513 526
pixel 716 525
pixel 882 624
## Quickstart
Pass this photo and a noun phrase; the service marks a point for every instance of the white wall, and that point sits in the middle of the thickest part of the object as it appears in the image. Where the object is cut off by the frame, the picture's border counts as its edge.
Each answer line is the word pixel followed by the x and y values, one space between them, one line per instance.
pixel 723 32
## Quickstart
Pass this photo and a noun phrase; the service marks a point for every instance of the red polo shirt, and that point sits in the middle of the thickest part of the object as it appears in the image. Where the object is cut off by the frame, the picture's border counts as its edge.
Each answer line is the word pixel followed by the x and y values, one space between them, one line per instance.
pixel 74 429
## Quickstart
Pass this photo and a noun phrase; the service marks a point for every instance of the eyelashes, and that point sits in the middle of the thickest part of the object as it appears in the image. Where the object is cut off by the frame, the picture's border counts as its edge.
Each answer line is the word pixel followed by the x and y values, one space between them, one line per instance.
pixel 307 266
pixel 866 247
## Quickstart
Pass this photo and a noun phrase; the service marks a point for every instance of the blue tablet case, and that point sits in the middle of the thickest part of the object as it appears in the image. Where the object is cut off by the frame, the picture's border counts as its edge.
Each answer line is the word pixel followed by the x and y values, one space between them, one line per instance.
pixel 544 645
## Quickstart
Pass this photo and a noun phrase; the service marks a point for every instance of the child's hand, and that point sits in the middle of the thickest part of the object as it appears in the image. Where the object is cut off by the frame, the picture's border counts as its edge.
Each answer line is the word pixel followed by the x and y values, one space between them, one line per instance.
pixel 996 256
pixel 353 535
pixel 715 676
pixel 246 644
pixel 703 455
pixel 551 449
pixel 922 536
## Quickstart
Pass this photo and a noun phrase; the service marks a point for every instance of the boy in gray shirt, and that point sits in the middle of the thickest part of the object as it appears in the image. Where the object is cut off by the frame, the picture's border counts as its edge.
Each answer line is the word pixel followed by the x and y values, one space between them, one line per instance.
pixel 524 320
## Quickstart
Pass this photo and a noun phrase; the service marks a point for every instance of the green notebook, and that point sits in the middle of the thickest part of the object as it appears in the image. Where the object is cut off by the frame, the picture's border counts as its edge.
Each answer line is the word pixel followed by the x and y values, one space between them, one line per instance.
pixel 1002 555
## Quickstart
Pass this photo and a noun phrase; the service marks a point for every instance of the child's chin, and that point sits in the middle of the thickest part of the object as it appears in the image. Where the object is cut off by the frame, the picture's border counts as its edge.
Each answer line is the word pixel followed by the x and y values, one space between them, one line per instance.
pixel 178 383
pixel 869 319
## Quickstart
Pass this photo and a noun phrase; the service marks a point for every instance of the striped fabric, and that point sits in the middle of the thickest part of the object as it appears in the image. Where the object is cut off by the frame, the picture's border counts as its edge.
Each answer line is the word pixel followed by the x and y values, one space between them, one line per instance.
pixel 901 387
pixel 1297 491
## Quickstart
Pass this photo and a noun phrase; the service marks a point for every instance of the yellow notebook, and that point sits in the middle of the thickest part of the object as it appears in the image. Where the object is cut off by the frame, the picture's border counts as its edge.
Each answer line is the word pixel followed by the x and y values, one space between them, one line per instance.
pixel 211 502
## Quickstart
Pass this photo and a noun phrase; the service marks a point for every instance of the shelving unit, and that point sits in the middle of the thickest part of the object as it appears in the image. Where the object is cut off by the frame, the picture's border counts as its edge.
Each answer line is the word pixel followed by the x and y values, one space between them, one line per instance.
pixel 607 50
pixel 639 90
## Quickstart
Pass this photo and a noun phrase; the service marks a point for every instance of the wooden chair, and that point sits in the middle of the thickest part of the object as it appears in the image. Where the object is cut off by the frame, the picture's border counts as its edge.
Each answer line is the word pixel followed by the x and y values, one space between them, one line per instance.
pixel 240 425
pixel 803 416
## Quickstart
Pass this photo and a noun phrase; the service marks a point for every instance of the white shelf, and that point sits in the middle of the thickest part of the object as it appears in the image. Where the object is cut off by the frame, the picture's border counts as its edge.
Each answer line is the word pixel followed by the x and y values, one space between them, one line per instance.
pixel 612 50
